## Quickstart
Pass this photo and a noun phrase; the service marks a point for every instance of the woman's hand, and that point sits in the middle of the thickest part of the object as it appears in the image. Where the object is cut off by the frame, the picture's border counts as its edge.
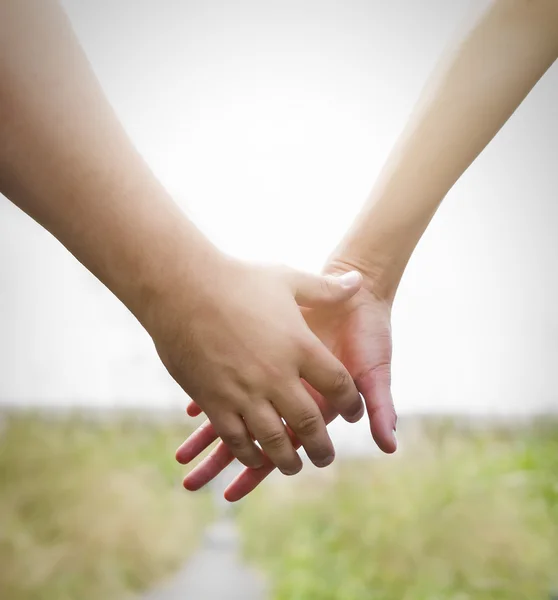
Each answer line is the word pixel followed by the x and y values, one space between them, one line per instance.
pixel 358 332
pixel 239 346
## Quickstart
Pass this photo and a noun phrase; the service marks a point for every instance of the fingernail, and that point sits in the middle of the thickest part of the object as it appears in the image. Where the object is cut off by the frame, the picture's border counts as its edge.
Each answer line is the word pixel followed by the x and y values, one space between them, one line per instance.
pixel 289 472
pixel 325 462
pixel 394 437
pixel 350 279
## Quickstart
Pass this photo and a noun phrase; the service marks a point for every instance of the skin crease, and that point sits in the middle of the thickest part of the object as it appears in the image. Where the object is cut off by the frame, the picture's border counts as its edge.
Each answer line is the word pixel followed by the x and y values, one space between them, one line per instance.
pixel 228 337
pixel 230 333
pixel 359 334
pixel 469 97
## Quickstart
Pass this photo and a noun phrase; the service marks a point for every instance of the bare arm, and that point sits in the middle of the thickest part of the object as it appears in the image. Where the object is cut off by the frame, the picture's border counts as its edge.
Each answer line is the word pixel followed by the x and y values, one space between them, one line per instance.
pixel 231 334
pixel 466 101
pixel 464 104
pixel 66 161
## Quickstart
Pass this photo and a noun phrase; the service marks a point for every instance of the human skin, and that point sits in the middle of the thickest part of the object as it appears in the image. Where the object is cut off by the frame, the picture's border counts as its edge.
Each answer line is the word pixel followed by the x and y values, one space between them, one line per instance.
pixel 472 93
pixel 230 333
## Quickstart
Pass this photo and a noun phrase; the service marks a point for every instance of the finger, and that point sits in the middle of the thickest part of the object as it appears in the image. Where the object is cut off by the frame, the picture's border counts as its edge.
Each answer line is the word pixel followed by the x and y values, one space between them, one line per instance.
pixel 193 410
pixel 249 479
pixel 375 386
pixel 305 419
pixel 266 427
pixel 232 430
pixel 323 290
pixel 219 459
pixel 246 482
pixel 327 375
pixel 196 443
pixel 328 411
pixel 213 464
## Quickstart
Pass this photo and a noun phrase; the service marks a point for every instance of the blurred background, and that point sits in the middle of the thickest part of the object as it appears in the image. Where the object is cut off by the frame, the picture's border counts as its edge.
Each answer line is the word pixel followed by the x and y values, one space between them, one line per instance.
pixel 268 122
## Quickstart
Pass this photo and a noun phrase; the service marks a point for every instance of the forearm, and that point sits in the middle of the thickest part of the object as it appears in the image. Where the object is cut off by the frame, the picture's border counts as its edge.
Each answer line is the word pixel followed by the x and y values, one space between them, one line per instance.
pixel 464 104
pixel 66 161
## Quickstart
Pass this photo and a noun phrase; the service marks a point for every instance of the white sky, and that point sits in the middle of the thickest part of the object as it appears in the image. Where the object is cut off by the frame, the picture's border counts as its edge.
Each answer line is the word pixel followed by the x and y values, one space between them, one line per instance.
pixel 268 121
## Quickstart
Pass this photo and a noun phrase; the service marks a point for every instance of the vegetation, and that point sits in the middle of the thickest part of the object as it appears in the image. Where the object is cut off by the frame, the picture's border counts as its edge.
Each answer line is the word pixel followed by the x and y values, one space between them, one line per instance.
pixel 91 509
pixel 456 515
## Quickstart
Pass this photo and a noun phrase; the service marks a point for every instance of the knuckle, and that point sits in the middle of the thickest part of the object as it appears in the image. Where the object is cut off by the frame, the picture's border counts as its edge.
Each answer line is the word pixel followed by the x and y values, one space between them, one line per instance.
pixel 383 372
pixel 307 424
pixel 235 440
pixel 273 375
pixel 341 382
pixel 275 439
pixel 249 379
pixel 261 375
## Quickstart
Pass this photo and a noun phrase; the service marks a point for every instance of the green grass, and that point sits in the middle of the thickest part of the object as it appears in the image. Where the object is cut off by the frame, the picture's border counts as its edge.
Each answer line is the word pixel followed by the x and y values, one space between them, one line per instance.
pixel 456 516
pixel 91 510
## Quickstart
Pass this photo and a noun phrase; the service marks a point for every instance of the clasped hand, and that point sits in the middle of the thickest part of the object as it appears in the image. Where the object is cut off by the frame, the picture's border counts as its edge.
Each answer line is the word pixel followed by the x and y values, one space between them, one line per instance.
pixel 245 353
pixel 344 331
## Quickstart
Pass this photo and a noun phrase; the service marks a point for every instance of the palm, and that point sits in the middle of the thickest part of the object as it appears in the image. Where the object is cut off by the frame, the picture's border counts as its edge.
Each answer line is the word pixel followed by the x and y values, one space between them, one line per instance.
pixel 359 334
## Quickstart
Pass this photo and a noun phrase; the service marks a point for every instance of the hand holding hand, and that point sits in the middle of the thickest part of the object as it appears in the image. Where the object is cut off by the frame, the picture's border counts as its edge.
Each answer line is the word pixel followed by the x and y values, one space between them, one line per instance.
pixel 358 332
pixel 239 346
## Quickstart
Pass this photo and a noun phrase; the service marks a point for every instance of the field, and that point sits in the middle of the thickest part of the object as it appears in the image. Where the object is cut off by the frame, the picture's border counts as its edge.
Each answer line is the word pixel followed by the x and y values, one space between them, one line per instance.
pixel 457 515
pixel 94 509
pixel 91 509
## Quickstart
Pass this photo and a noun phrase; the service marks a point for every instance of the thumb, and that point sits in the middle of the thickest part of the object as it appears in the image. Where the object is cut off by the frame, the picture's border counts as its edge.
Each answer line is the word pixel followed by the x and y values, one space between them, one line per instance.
pixel 313 291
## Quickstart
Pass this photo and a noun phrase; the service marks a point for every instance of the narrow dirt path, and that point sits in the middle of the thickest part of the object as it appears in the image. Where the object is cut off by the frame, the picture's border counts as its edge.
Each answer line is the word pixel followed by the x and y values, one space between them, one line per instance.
pixel 215 572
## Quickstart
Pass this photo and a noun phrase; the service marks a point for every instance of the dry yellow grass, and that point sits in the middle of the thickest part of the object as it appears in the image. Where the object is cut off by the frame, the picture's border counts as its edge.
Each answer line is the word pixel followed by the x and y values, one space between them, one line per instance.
pixel 91 510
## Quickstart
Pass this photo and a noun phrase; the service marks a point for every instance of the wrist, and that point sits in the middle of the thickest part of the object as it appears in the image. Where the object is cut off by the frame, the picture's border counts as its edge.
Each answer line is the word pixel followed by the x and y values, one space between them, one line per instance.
pixel 384 236
pixel 178 281
pixel 378 277
pixel 161 261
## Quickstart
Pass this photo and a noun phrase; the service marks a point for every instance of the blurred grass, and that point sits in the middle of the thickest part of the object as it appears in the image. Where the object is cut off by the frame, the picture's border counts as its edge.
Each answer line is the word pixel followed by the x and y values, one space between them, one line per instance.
pixel 91 509
pixel 455 516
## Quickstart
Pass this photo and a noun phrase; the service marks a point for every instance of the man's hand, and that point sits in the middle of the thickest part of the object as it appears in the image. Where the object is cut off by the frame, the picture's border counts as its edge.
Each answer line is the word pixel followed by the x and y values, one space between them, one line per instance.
pixel 231 335
pixel 358 332
pixel 239 346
